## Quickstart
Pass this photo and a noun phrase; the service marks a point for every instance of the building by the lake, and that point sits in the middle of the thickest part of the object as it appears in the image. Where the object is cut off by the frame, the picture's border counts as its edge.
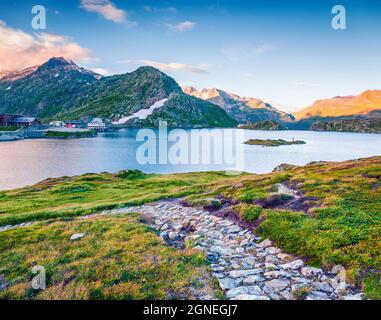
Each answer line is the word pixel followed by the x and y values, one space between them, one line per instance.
pixel 75 124
pixel 96 124
pixel 57 124
pixel 16 120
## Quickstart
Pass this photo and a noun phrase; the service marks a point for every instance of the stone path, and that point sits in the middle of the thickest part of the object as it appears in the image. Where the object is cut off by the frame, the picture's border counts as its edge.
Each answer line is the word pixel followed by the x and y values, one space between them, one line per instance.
pixel 246 268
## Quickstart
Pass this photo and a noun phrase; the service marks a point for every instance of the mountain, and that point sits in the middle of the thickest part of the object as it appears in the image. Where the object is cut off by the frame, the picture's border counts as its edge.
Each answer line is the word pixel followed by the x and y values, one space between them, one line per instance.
pixel 59 89
pixel 45 90
pixel 242 109
pixel 362 104
pixel 360 124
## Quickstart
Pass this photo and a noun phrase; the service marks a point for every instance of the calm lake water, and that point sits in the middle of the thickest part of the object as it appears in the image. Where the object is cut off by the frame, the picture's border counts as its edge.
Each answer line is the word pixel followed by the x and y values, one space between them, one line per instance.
pixel 29 161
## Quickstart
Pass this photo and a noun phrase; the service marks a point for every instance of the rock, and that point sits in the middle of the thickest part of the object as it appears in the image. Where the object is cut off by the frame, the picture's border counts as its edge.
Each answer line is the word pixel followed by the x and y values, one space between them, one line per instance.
pixel 271 259
pixel 317 295
pixel 323 286
pixel 358 296
pixel 77 236
pixel 299 286
pixel 173 235
pixel 227 283
pixel 251 290
pixel 311 271
pixel 293 265
pixel 270 266
pixel 163 234
pixel 284 257
pixel 249 297
pixel 218 269
pixel 284 166
pixel 274 296
pixel 218 275
pixel 164 227
pixel 277 274
pixel 250 280
pixel 264 244
pixel 276 285
pixel 273 250
pixel 222 250
pixel 287 295
pixel 301 280
pixel 249 263
pixel 243 273
pixel 234 229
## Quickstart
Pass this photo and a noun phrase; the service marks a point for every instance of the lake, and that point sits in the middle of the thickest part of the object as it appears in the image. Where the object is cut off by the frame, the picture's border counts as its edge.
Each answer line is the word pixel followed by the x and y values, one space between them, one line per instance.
pixel 26 162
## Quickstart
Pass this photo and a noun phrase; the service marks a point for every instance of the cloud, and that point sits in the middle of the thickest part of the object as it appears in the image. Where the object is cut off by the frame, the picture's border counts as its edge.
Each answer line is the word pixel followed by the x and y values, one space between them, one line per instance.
pixel 182 26
pixel 246 52
pixel 101 71
pixel 107 10
pixel 158 9
pixel 175 66
pixel 19 49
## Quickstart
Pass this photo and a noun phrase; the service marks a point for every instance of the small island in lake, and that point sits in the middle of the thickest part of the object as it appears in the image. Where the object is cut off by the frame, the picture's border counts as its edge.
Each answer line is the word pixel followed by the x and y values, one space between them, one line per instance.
pixel 273 143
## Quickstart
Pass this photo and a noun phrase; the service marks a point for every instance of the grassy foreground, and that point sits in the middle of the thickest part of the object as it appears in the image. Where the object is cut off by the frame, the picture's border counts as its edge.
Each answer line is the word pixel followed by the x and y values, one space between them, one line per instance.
pixel 119 258
pixel 339 223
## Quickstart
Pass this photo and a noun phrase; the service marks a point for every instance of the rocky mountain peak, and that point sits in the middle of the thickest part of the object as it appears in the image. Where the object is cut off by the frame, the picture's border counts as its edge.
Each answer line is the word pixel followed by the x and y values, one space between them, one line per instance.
pixel 243 109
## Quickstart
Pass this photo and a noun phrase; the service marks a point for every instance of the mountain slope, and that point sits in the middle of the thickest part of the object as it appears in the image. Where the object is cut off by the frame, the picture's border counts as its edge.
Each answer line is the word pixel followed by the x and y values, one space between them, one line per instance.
pixel 45 90
pixel 243 109
pixel 362 104
pixel 59 89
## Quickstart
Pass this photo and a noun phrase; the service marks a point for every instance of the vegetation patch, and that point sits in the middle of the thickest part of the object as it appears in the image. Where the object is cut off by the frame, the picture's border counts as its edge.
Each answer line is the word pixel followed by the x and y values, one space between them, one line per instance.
pixel 70 135
pixel 9 128
pixel 272 143
pixel 118 258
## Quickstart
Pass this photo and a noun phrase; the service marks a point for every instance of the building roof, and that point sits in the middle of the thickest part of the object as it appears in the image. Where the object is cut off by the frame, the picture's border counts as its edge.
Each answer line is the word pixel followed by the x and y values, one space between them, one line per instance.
pixel 23 119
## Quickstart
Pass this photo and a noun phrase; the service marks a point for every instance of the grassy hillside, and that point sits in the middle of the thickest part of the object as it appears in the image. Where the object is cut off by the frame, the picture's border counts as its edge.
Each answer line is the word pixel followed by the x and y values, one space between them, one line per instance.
pixel 336 219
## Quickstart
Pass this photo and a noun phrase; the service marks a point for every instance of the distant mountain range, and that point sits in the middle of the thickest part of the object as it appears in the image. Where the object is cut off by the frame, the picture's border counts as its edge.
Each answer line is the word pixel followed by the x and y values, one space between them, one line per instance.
pixel 242 109
pixel 59 89
pixel 363 104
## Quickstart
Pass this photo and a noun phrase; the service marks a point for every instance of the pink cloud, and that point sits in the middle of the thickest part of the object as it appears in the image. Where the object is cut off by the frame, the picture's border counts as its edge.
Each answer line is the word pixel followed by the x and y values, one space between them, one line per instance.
pixel 19 49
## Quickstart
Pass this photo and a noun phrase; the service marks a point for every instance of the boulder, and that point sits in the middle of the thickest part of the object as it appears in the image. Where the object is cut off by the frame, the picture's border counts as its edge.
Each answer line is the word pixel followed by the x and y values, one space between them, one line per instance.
pixel 250 280
pixel 227 283
pixel 276 285
pixel 264 244
pixel 173 235
pixel 251 290
pixel 311 271
pixel 243 273
pixel 77 236
pixel 294 265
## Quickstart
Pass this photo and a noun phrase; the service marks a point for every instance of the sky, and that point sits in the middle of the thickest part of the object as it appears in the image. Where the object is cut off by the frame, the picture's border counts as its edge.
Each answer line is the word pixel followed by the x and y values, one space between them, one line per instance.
pixel 283 52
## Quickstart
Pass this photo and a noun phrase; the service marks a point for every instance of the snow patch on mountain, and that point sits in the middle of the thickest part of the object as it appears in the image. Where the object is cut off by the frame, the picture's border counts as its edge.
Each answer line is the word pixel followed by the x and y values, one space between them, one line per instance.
pixel 142 114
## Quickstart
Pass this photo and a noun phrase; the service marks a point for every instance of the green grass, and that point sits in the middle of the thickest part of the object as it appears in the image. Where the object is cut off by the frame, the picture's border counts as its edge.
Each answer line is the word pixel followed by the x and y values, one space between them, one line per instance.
pixel 81 195
pixel 343 225
pixel 119 258
pixel 70 135
pixel 9 128
pixel 272 143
